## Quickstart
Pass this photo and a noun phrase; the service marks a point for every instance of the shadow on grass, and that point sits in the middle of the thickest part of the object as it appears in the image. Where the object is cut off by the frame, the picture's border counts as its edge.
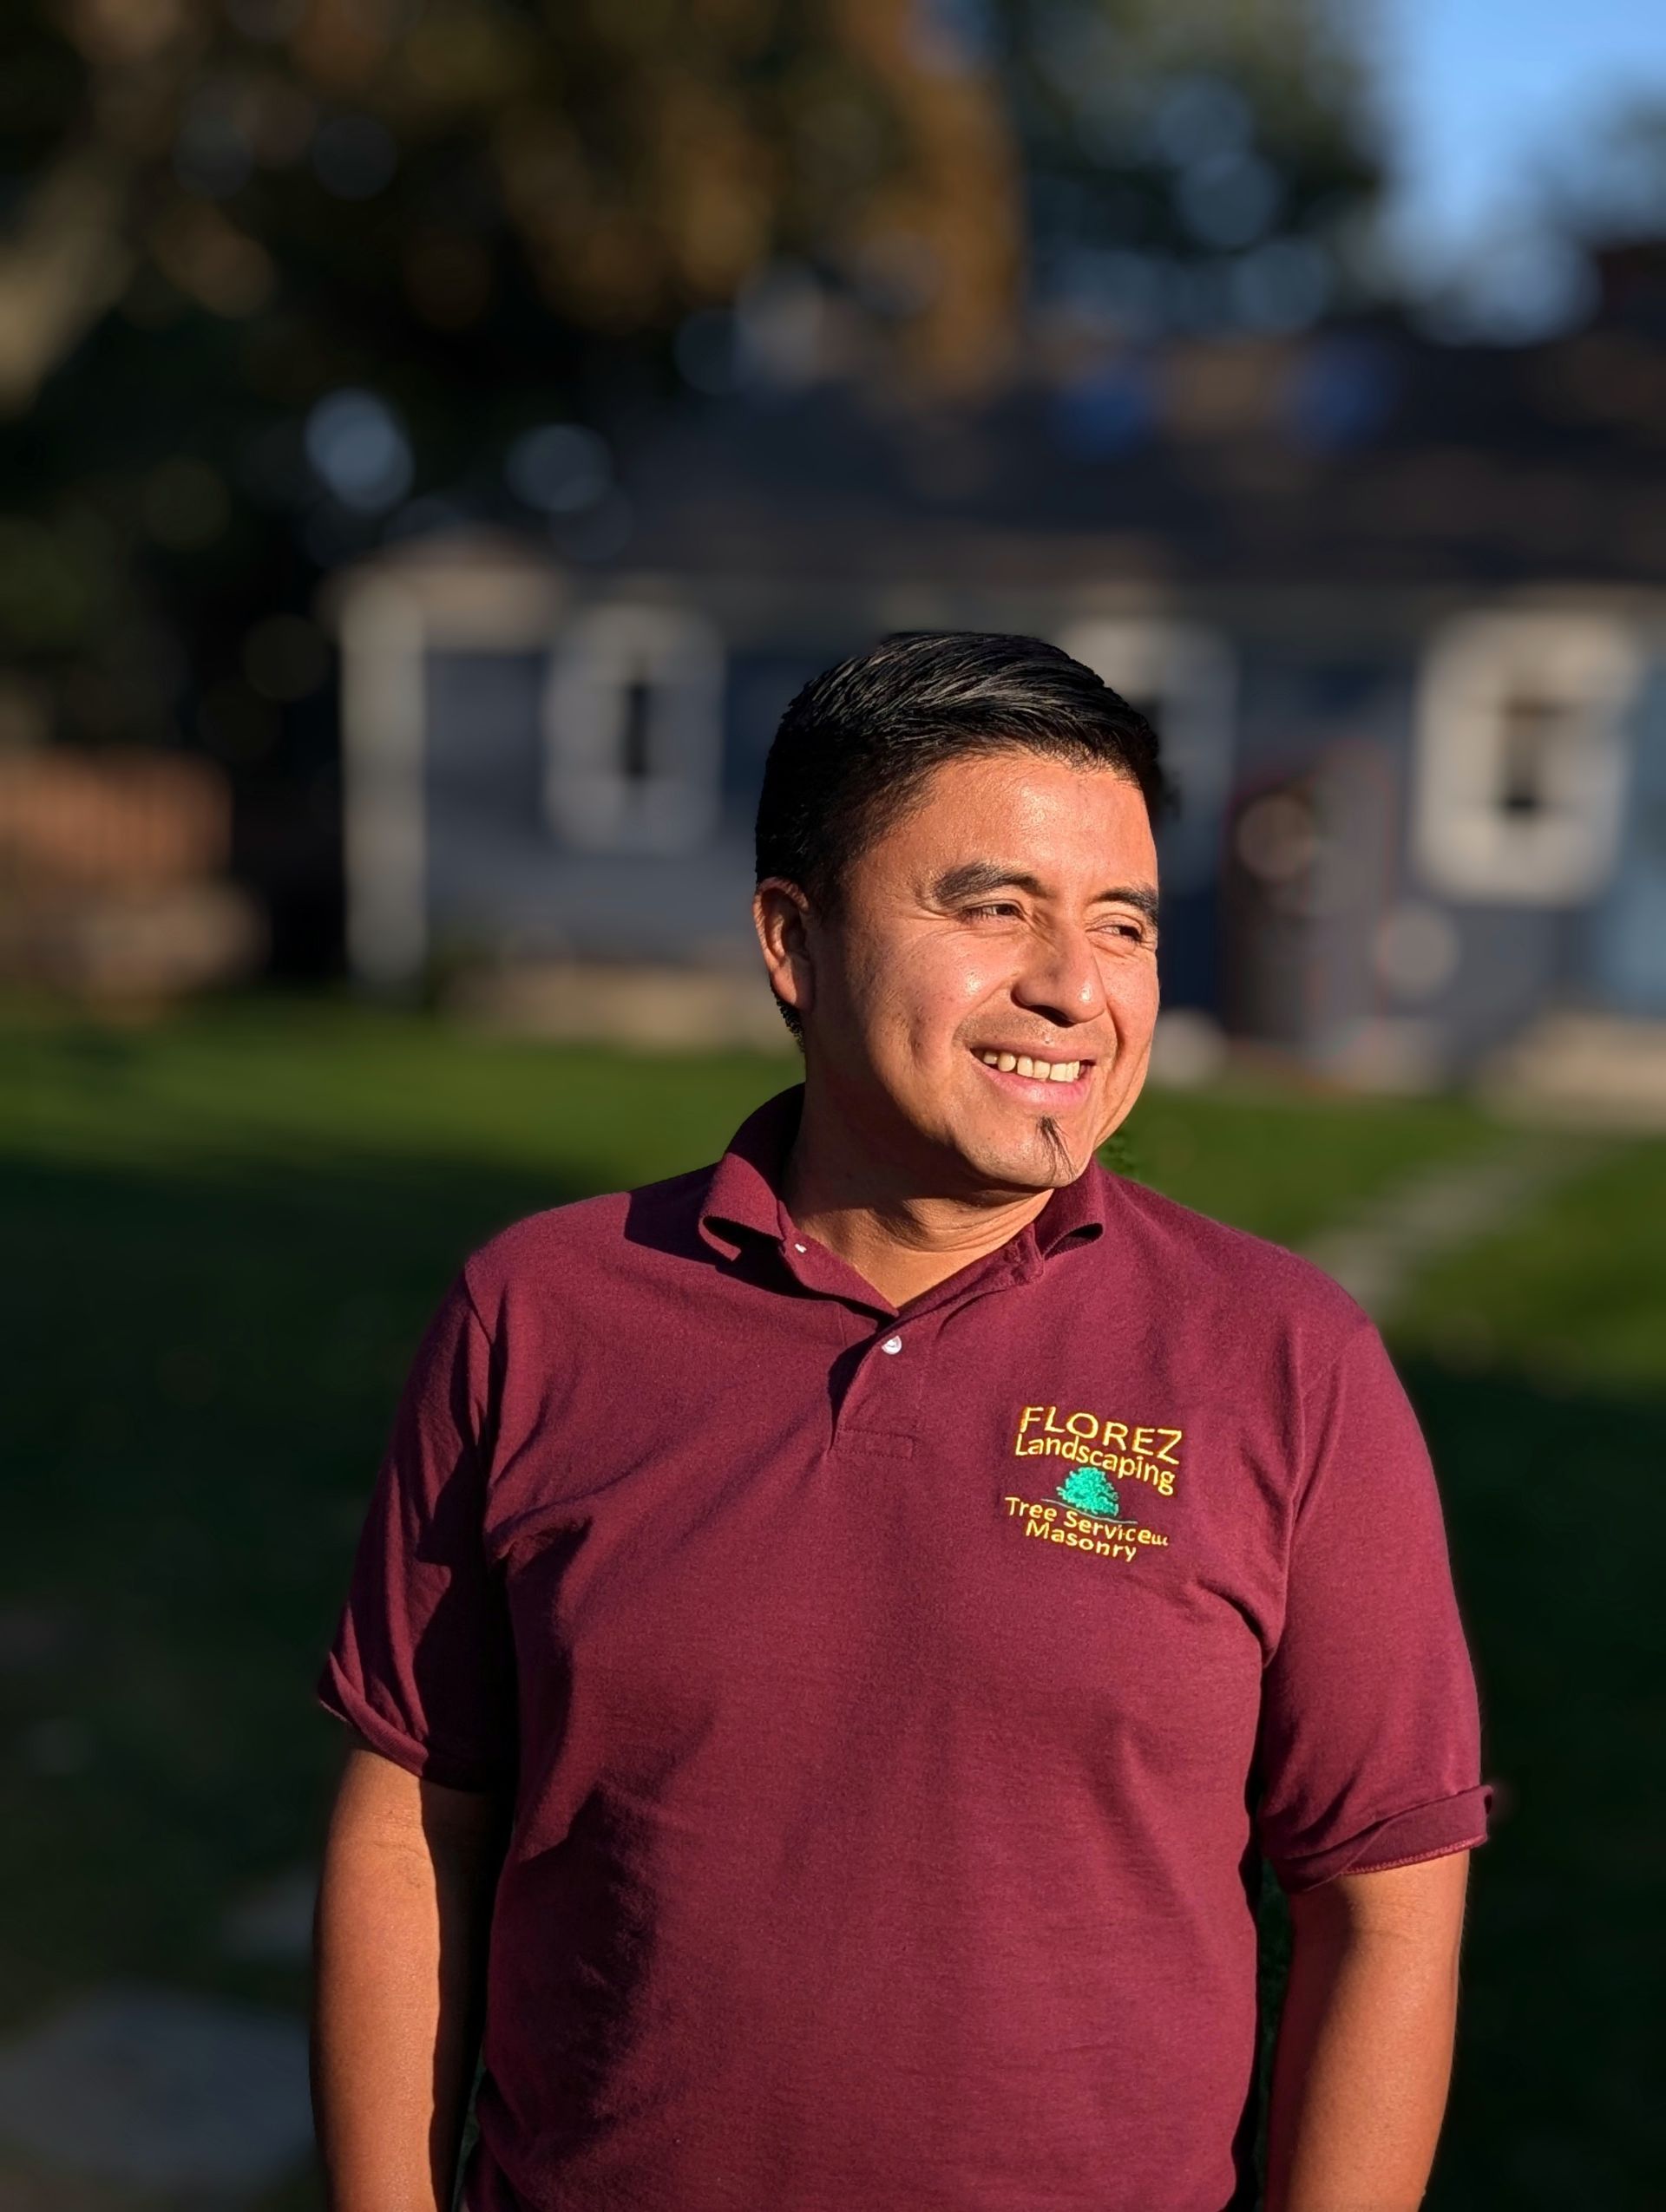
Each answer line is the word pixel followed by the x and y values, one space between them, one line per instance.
pixel 205 1367
pixel 1556 1516
pixel 204 1370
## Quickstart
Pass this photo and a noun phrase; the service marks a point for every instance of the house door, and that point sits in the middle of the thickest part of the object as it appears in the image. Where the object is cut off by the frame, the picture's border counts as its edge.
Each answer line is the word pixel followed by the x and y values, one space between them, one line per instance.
pixel 1310 874
pixel 1628 925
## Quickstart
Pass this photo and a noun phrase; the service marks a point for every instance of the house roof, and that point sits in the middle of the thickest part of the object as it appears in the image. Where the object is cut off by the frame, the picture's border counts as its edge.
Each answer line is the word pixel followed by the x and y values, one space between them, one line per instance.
pixel 1359 457
pixel 1363 456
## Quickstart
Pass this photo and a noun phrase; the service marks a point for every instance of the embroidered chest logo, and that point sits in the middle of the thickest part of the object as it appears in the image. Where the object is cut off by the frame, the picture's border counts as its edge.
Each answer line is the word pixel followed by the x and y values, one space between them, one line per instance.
pixel 1087 1511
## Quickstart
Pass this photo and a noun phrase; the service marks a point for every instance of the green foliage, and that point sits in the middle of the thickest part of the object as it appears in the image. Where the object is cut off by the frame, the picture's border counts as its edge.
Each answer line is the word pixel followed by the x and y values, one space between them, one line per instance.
pixel 1169 141
pixel 493 217
pixel 1089 1492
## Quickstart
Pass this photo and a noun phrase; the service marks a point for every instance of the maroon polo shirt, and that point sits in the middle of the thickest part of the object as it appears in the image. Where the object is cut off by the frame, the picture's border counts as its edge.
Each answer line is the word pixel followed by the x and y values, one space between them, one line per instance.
pixel 896 1701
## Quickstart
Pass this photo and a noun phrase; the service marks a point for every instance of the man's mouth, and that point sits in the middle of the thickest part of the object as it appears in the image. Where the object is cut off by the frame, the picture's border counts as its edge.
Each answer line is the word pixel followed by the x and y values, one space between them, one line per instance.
pixel 1031 1068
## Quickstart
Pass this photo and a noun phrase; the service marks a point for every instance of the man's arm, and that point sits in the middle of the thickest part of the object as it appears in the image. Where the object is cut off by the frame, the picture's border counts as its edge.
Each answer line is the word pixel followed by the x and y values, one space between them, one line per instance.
pixel 1364 2052
pixel 399 1955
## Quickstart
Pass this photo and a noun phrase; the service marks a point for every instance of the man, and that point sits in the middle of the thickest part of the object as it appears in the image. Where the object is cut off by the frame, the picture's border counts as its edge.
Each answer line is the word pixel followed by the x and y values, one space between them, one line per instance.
pixel 835 1632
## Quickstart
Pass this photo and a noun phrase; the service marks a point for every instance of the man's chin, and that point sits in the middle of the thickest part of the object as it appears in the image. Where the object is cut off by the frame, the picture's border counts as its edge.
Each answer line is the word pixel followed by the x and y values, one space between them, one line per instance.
pixel 1046 1156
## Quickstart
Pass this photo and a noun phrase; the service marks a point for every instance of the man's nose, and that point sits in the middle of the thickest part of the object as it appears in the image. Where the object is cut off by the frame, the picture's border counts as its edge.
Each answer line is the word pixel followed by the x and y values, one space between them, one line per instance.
pixel 1061 979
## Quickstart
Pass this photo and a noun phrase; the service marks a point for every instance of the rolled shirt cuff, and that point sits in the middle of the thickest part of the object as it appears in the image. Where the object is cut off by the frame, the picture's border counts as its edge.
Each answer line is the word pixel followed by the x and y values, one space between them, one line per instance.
pixel 1428 1831
pixel 452 1770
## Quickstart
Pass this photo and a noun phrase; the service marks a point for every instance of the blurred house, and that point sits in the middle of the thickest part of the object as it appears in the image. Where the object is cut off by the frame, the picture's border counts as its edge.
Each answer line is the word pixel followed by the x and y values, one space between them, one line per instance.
pixel 1398 608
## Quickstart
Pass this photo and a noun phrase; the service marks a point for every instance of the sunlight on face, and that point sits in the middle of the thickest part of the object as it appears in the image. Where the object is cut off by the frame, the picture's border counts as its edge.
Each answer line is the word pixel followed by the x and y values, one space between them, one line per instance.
pixel 1008 920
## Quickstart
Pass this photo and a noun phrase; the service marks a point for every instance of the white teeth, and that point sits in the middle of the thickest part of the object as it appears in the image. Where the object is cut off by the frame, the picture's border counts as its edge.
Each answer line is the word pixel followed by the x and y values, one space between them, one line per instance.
pixel 1039 1071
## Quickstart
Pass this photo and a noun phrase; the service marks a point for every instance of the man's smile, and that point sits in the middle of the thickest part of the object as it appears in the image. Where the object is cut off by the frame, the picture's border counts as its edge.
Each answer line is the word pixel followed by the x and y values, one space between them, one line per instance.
pixel 1037 1082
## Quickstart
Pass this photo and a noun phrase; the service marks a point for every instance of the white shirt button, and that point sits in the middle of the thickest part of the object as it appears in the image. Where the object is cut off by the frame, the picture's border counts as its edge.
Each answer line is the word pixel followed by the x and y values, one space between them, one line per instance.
pixel 892 1344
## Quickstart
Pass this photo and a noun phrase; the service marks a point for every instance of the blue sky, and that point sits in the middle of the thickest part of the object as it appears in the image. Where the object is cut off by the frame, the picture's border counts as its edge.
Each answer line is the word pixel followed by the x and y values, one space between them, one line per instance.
pixel 1478 95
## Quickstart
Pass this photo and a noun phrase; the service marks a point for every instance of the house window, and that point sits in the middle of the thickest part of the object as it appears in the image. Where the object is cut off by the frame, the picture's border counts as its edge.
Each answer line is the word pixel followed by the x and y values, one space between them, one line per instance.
pixel 1182 679
pixel 1533 731
pixel 633 732
pixel 1520 758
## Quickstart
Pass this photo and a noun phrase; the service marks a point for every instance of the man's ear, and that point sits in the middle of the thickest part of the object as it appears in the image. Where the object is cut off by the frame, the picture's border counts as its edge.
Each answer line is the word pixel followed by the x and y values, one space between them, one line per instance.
pixel 781 916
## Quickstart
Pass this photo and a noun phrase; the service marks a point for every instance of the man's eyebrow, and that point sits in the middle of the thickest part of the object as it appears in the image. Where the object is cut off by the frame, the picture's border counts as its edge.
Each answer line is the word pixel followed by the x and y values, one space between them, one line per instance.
pixel 971 878
pixel 974 878
pixel 1141 895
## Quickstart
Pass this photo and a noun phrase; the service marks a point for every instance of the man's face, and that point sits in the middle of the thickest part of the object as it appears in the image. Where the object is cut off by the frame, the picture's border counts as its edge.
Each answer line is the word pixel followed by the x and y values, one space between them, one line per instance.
pixel 1008 918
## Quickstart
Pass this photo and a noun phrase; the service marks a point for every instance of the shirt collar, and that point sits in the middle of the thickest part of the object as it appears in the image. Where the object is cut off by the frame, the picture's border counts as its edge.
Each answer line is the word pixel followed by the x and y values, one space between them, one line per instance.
pixel 744 1189
pixel 1076 1214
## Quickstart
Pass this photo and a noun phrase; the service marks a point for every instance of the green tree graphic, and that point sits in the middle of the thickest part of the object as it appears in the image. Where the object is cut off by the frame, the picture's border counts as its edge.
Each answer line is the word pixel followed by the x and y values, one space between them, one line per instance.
pixel 1089 1492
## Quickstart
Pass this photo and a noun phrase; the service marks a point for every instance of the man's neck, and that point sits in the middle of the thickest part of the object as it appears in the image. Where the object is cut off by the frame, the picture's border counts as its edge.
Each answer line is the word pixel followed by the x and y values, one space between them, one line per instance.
pixel 845 1196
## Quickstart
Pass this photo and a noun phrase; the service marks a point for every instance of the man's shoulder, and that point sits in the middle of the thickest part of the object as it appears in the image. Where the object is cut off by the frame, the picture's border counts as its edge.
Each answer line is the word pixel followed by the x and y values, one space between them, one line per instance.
pixel 611 1233
pixel 1213 1262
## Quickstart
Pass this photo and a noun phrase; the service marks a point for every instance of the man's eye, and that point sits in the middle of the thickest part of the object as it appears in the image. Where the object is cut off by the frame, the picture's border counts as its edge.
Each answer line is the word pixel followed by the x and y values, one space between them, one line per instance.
pixel 999 906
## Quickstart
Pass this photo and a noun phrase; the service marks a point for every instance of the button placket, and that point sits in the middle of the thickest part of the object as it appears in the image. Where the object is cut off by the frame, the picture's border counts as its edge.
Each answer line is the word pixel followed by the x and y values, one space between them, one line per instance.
pixel 879 1413
pixel 898 1383
pixel 892 1369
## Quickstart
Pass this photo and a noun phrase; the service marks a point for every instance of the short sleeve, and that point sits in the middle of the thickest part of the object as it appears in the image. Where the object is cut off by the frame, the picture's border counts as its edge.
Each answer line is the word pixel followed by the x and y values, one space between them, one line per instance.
pixel 1369 1745
pixel 422 1664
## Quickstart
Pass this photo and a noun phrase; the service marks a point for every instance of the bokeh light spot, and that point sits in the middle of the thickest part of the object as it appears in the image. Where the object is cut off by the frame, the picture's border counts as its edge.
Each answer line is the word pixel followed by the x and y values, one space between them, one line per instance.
pixel 359 451
pixel 561 468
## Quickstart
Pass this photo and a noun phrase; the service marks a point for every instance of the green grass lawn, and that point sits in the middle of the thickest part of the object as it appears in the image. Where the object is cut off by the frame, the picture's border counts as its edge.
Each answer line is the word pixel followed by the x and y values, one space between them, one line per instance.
pixel 224 1232
pixel 1538 1362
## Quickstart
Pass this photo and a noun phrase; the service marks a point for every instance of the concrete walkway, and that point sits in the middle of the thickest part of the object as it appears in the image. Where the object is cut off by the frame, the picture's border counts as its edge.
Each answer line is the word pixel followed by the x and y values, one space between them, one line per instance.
pixel 135 2095
pixel 1377 1253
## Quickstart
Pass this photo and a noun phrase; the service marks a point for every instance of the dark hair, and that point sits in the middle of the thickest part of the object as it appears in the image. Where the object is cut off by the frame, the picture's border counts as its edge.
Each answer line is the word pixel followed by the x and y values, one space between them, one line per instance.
pixel 856 743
